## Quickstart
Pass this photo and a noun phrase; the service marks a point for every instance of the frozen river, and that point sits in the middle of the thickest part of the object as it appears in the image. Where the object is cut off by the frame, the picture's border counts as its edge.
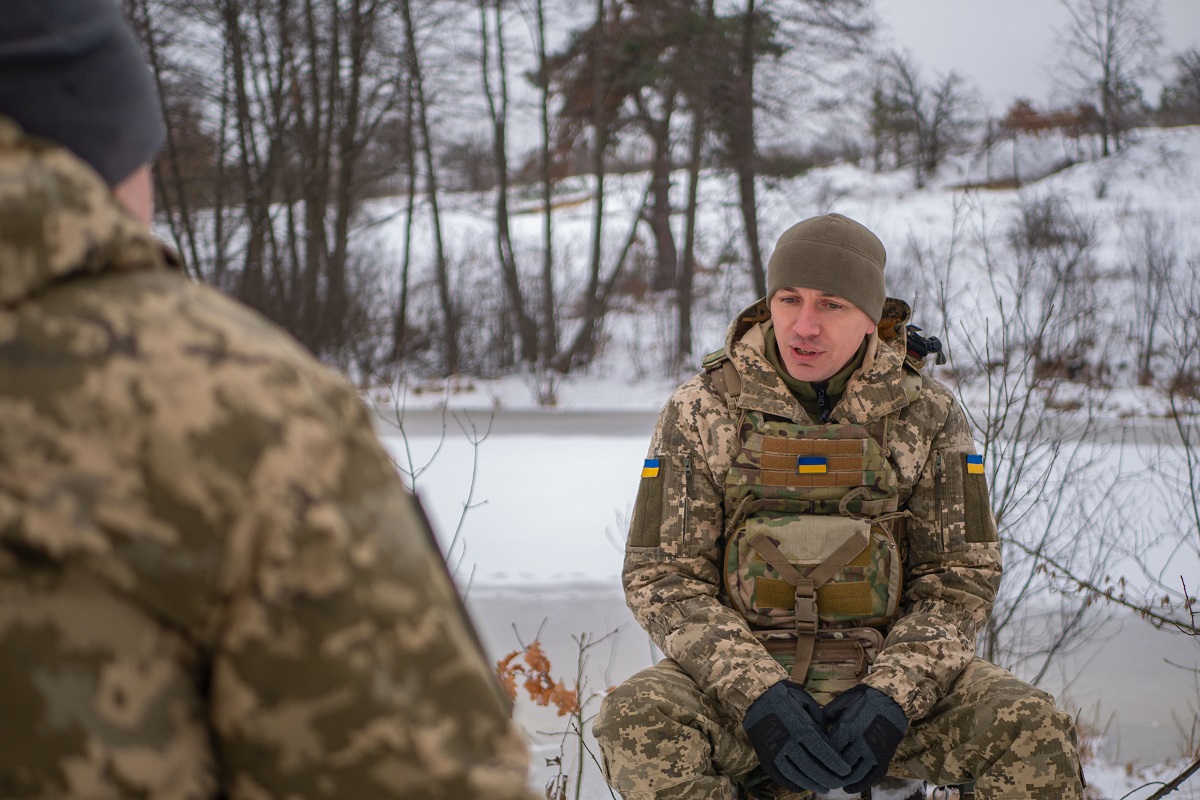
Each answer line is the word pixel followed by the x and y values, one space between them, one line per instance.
pixel 538 552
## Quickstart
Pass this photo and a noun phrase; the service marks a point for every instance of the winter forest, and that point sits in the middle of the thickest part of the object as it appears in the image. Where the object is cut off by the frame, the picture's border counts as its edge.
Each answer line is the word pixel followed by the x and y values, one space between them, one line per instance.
pixel 477 207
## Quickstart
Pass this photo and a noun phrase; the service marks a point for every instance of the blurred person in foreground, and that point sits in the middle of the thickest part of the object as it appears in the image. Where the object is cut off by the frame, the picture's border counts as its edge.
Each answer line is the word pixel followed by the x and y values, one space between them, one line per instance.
pixel 212 582
pixel 813 548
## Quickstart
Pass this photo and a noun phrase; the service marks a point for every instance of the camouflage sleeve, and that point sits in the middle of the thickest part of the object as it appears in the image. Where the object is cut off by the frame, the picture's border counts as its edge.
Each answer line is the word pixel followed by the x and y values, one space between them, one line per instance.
pixel 344 665
pixel 951 578
pixel 672 572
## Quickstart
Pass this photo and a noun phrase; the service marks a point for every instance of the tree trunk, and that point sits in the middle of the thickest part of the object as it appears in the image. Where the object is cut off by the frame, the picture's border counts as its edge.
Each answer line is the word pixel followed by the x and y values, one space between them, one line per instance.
pixel 450 315
pixel 687 272
pixel 746 155
pixel 583 347
pixel 177 204
pixel 250 287
pixel 349 149
pixel 667 264
pixel 400 324
pixel 549 342
pixel 525 326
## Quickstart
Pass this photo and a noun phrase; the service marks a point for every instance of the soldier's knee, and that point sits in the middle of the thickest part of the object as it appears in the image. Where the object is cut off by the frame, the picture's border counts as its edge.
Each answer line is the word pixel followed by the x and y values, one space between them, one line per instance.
pixel 1032 714
pixel 634 703
pixel 609 717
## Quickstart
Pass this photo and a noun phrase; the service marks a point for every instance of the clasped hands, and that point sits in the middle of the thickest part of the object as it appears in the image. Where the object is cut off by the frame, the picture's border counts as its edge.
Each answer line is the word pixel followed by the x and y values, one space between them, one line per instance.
pixel 845 745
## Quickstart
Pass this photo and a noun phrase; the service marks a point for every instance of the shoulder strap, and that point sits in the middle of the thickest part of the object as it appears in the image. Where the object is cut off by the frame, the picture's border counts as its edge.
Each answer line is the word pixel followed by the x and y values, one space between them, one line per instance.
pixel 724 376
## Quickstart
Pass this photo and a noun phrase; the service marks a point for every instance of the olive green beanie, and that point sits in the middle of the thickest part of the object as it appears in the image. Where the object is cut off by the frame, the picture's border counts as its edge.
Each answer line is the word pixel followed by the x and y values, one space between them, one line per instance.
pixel 832 254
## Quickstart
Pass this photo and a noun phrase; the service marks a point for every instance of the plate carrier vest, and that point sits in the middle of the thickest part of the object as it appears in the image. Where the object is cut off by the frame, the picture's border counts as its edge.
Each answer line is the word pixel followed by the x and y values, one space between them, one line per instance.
pixel 811 524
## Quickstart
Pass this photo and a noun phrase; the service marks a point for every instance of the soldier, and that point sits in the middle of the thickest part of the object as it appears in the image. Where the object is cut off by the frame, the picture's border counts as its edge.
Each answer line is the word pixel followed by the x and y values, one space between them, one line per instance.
pixel 813 549
pixel 212 581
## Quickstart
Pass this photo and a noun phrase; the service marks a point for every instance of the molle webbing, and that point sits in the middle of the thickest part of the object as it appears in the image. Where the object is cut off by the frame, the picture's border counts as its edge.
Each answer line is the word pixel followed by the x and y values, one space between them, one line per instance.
pixel 853 477
pixel 808 514
pixel 845 461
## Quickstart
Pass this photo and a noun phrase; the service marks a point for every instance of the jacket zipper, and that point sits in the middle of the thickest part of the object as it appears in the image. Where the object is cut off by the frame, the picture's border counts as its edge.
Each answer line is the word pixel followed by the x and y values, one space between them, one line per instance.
pixel 821 405
pixel 938 478
pixel 687 493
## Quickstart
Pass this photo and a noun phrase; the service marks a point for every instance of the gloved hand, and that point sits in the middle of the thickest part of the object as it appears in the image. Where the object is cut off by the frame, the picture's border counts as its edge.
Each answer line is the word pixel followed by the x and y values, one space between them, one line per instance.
pixel 866 726
pixel 787 729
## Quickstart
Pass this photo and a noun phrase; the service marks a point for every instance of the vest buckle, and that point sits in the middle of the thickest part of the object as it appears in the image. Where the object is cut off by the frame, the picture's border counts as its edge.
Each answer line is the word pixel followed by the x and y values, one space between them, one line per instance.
pixel 806 607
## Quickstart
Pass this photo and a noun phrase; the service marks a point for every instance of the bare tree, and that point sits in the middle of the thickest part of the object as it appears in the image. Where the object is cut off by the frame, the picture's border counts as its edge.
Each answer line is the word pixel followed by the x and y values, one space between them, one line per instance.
pixel 1179 103
pixel 1047 482
pixel 1054 291
pixel 935 116
pixel 586 79
pixel 549 316
pixel 495 91
pixel 263 179
pixel 407 128
pixel 450 313
pixel 1152 256
pixel 805 40
pixel 687 270
pixel 1108 47
pixel 889 125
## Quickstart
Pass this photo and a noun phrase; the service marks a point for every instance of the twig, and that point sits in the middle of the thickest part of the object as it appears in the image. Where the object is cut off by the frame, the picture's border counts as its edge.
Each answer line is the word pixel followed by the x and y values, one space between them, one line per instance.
pixel 595 761
pixel 1175 783
pixel 1155 618
pixel 474 437
pixel 1189 603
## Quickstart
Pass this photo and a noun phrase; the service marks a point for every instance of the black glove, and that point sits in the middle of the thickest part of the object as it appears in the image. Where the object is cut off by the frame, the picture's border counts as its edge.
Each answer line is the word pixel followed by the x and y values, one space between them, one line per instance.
pixel 787 729
pixel 866 727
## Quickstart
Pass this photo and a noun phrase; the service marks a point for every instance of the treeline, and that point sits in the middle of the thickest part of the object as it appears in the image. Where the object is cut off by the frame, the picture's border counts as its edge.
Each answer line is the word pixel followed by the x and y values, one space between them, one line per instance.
pixel 287 117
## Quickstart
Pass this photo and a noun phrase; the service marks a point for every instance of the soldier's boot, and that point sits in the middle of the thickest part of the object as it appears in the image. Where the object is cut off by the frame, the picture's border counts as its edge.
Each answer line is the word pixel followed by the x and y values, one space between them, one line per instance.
pixel 889 788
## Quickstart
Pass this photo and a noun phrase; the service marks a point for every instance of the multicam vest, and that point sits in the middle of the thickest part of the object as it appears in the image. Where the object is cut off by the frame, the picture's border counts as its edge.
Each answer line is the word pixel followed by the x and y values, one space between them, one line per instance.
pixel 811 559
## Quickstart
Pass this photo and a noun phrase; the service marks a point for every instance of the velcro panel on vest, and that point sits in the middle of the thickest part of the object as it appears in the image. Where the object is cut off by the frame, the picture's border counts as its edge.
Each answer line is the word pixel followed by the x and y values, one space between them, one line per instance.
pixel 832 598
pixel 845 462
pixel 787 463
pixel 829 480
pixel 805 447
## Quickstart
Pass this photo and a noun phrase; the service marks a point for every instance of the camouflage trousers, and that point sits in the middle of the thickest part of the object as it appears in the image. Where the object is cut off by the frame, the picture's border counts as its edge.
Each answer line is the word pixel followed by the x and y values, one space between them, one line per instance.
pixel 663 738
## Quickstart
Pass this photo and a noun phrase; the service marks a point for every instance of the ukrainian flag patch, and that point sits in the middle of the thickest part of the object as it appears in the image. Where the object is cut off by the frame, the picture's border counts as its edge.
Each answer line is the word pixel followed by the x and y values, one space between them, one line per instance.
pixel 811 465
pixel 650 468
pixel 975 464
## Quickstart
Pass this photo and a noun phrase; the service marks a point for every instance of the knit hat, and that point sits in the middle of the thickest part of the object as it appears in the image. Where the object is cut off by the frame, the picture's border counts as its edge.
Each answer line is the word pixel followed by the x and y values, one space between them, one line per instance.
pixel 72 71
pixel 832 254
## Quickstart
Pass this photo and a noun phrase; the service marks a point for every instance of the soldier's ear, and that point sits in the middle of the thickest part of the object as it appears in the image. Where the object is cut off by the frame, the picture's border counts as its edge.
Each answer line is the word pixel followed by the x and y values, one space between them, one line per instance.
pixel 136 194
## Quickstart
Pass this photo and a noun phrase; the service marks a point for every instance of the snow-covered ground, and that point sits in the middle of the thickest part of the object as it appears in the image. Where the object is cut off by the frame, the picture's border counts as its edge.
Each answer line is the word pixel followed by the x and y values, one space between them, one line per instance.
pixel 538 554
pixel 531 504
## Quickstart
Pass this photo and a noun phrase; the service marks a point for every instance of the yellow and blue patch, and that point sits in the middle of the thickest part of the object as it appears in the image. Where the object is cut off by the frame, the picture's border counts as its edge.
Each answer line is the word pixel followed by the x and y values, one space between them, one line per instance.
pixel 975 464
pixel 650 468
pixel 812 465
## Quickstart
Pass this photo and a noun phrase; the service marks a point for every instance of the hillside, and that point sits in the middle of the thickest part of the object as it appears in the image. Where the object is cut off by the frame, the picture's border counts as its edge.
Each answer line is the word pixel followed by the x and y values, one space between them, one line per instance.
pixel 949 253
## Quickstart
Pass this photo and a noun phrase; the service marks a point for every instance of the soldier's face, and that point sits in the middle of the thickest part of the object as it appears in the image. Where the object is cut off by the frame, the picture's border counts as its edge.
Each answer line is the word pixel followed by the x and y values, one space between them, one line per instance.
pixel 817 333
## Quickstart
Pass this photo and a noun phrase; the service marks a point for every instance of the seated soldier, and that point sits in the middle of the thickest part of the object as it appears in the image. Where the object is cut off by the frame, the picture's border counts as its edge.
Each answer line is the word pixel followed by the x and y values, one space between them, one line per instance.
pixel 813 549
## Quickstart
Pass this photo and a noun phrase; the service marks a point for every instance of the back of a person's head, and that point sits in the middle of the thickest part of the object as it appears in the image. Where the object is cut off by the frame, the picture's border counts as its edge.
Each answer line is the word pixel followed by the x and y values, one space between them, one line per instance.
pixel 72 71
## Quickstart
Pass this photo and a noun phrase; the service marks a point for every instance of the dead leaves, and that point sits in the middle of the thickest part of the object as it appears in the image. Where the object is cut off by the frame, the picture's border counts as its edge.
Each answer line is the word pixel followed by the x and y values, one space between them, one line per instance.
pixel 531 668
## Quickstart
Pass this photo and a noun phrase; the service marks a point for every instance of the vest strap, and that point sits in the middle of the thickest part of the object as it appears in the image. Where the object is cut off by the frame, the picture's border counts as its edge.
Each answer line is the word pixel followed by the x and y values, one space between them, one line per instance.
pixel 806 589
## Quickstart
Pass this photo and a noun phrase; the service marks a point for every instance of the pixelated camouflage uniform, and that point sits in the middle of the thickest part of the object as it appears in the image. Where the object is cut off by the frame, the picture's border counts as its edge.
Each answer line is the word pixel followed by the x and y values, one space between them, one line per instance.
pixel 674 729
pixel 212 582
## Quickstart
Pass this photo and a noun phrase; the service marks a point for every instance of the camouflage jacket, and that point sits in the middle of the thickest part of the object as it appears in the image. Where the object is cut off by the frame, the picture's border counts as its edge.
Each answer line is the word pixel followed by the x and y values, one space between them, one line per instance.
pixel 673 560
pixel 212 581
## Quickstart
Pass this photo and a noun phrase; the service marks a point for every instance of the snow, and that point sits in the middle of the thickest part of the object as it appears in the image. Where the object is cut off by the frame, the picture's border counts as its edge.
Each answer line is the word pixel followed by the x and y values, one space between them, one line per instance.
pixel 531 503
pixel 539 556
